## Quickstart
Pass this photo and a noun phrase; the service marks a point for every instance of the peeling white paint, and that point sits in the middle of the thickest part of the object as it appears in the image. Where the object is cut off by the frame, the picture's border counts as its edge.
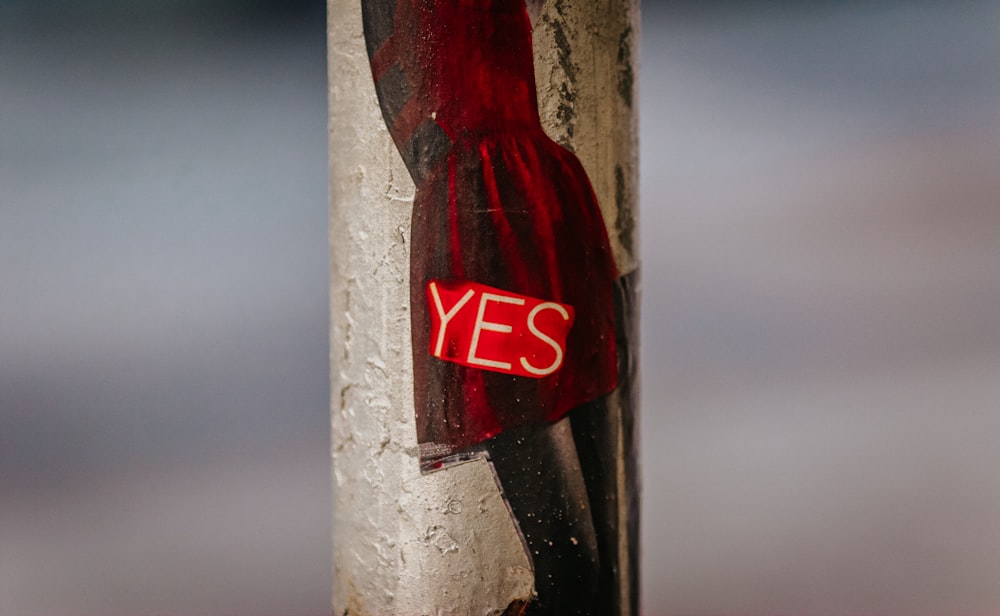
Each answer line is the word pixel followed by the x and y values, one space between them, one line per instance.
pixel 403 543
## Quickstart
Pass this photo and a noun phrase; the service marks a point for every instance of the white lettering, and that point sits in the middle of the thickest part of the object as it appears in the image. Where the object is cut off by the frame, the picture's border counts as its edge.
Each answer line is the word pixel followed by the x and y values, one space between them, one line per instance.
pixel 549 341
pixel 482 324
pixel 446 317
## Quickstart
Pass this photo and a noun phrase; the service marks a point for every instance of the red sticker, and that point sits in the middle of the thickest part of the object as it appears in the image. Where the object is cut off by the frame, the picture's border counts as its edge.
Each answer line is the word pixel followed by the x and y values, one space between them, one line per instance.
pixel 484 327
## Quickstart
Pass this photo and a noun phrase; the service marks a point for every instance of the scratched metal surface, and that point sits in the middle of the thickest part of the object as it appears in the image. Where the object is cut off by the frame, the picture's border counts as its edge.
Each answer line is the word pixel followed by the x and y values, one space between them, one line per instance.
pixel 819 241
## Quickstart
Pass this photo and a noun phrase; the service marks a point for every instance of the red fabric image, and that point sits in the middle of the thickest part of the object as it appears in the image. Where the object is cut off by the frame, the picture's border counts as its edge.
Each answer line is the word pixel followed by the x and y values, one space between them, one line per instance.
pixel 498 203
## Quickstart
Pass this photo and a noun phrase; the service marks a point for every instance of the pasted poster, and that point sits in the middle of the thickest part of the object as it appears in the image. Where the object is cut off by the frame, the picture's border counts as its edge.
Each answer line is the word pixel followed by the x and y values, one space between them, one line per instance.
pixel 515 298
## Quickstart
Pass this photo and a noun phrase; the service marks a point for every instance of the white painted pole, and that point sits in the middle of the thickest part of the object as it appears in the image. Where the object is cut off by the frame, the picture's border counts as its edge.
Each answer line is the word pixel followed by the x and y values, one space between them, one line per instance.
pixel 446 542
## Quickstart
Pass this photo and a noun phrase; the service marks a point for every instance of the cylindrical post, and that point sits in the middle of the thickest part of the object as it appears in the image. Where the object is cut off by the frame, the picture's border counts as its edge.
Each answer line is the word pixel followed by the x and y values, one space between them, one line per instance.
pixel 483 330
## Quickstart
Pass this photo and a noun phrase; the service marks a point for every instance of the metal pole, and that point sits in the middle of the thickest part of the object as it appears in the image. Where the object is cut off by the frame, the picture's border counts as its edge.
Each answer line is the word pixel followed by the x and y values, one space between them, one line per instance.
pixel 519 516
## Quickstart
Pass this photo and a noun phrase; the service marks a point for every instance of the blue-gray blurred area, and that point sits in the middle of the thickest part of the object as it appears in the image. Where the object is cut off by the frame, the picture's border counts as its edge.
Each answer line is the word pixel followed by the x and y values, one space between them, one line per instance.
pixel 163 309
pixel 821 284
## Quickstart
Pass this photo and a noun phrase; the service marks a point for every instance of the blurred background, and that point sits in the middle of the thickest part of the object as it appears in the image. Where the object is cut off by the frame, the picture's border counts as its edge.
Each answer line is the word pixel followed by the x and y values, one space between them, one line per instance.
pixel 821 285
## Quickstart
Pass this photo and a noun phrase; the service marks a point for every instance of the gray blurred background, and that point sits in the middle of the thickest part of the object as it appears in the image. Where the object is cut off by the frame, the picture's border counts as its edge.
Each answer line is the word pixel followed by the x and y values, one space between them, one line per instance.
pixel 821 279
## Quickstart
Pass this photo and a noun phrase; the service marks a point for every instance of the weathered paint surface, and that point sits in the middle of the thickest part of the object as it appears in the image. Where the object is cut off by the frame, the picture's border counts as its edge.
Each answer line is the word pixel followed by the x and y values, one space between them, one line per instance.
pixel 444 542
pixel 405 543
pixel 585 64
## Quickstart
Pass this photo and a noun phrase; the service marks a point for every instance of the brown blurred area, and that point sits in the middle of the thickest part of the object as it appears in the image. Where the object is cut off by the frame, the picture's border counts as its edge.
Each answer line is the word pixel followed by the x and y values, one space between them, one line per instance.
pixel 820 231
